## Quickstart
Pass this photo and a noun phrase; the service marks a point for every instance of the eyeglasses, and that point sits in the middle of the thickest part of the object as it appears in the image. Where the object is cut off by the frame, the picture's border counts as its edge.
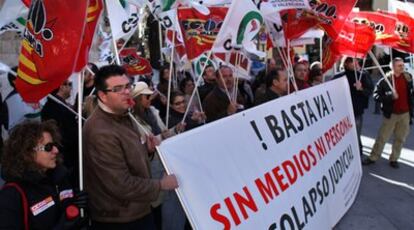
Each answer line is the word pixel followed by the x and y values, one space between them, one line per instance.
pixel 119 88
pixel 179 102
pixel 47 147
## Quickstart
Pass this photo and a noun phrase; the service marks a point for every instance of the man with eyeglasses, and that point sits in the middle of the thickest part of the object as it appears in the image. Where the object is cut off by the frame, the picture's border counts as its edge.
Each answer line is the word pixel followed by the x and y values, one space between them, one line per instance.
pixel 67 123
pixel 117 170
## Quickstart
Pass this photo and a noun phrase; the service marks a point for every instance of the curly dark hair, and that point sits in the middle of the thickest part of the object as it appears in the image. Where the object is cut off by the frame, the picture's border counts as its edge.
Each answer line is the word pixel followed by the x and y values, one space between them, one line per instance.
pixel 19 154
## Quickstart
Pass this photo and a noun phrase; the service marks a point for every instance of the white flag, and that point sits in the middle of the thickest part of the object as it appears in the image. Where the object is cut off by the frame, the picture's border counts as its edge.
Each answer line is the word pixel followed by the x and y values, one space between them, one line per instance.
pixel 11 10
pixel 240 27
pixel 394 6
pixel 17 25
pixel 122 18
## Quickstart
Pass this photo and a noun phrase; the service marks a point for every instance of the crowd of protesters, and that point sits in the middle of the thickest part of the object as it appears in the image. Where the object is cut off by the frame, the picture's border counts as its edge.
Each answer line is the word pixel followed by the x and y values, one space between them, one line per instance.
pixel 124 178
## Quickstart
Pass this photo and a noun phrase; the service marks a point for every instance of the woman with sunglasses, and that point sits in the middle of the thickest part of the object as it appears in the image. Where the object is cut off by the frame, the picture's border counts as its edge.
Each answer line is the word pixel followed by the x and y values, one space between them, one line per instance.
pixel 37 193
pixel 178 107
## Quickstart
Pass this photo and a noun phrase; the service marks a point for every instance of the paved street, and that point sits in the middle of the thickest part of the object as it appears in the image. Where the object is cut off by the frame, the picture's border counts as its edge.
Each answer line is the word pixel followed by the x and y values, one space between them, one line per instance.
pixel 385 199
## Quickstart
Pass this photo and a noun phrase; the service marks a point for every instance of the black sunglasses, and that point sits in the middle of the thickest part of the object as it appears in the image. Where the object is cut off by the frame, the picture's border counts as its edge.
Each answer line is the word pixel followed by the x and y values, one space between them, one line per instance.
pixel 47 147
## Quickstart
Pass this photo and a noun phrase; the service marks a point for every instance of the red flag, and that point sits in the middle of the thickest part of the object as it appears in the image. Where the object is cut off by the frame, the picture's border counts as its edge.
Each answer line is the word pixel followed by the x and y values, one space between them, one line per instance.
pixel 52 38
pixel 200 31
pixel 330 15
pixel 297 21
pixel 384 25
pixel 133 63
pixel 93 12
pixel 355 40
pixel 404 30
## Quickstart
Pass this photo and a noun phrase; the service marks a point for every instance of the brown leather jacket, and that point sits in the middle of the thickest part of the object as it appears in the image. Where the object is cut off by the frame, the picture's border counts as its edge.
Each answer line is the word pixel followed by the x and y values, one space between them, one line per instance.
pixel 117 171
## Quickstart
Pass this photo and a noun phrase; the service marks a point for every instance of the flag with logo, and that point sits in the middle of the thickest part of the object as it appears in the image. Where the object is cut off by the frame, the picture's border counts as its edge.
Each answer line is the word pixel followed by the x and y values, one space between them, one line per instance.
pixel 133 63
pixel 329 15
pixel 354 40
pixel 384 25
pixel 50 46
pixel 93 13
pixel 17 25
pixel 404 30
pixel 199 31
pixel 240 27
pixel 200 62
pixel 123 18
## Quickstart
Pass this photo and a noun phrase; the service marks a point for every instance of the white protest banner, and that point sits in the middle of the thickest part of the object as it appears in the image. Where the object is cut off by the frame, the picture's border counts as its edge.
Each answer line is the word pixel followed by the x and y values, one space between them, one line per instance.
pixel 291 163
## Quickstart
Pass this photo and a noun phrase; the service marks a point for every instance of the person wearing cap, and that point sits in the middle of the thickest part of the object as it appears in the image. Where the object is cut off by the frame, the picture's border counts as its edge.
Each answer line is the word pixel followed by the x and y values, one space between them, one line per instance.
pixel 116 162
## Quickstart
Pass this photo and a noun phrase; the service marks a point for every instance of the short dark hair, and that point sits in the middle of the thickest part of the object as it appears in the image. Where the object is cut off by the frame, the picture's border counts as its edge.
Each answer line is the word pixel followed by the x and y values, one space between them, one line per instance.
pixel 175 94
pixel 272 75
pixel 207 66
pixel 106 72
pixel 161 77
pixel 93 67
pixel 184 82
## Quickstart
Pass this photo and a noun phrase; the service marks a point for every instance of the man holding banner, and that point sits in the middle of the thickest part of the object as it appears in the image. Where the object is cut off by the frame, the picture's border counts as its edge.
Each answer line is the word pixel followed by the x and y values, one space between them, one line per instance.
pixel 117 170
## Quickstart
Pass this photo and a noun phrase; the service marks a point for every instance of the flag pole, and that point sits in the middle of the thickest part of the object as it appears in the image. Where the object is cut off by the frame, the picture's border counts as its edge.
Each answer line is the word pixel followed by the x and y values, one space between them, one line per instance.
pixel 289 61
pixel 320 50
pixel 80 140
pixel 170 80
pixel 362 68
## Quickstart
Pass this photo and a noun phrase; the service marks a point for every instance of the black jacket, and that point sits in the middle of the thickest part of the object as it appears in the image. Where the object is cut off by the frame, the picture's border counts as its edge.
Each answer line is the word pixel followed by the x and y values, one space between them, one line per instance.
pixel 267 96
pixel 205 89
pixel 37 188
pixel 360 99
pixel 383 94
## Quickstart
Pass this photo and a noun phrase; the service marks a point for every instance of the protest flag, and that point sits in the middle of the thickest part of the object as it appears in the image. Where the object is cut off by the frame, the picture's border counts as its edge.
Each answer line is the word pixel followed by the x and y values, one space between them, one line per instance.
pixel 133 63
pixel 93 13
pixel 50 47
pixel 200 31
